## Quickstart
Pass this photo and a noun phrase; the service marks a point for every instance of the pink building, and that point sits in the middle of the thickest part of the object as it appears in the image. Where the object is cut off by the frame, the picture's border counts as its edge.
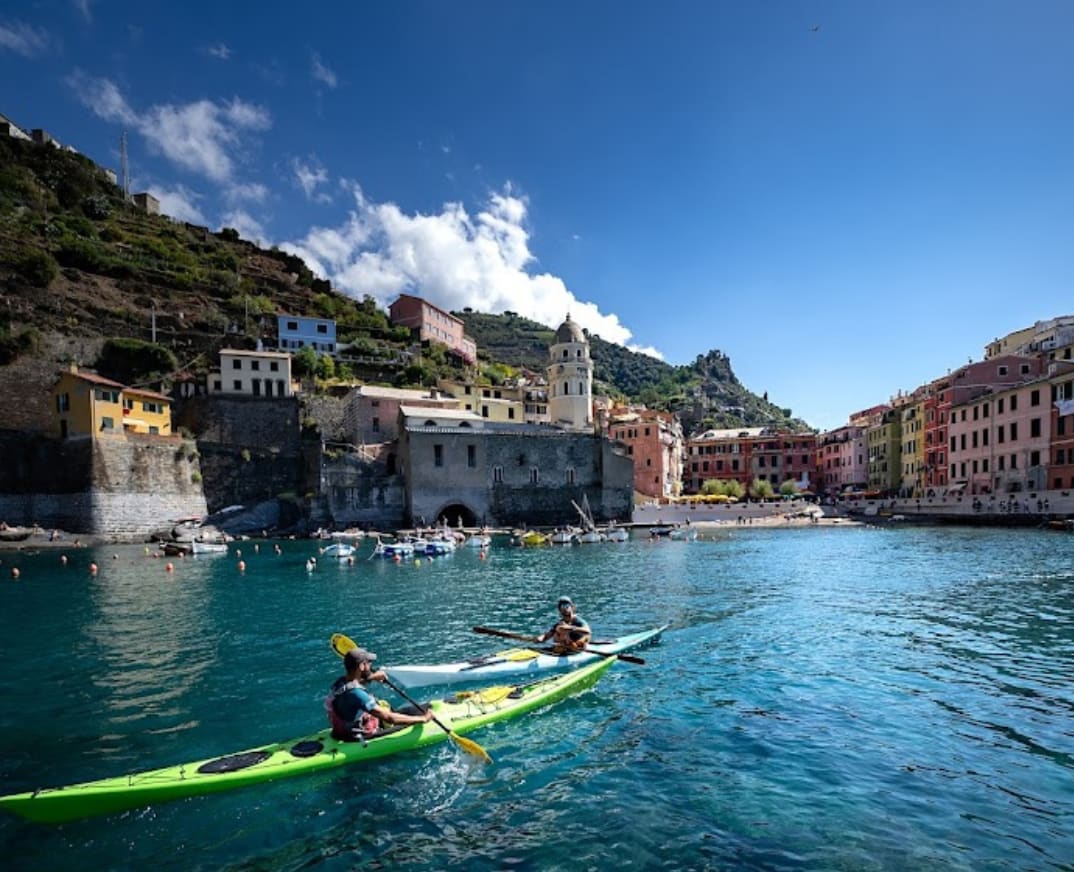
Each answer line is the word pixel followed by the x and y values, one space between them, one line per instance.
pixel 433 324
pixel 999 438
pixel 655 443
pixel 842 459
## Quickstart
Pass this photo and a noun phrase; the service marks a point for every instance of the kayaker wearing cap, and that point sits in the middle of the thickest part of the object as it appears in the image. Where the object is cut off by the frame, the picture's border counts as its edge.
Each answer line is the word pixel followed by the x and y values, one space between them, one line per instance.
pixel 570 632
pixel 352 710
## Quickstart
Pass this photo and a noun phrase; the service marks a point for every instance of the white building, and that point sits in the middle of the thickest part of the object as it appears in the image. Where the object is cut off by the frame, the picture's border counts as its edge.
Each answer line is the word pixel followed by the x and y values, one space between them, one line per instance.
pixel 570 379
pixel 253 374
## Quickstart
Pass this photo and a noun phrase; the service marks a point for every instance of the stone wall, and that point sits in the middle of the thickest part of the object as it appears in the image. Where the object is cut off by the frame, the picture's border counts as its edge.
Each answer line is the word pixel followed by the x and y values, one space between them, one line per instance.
pixel 122 487
pixel 252 448
pixel 569 467
pixel 361 493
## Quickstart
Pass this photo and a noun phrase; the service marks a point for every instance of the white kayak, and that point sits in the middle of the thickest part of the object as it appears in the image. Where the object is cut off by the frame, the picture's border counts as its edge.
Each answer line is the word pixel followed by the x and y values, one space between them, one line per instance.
pixel 515 662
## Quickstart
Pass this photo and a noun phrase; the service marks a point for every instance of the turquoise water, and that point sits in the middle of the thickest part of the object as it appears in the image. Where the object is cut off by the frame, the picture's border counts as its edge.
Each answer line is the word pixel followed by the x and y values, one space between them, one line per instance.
pixel 825 699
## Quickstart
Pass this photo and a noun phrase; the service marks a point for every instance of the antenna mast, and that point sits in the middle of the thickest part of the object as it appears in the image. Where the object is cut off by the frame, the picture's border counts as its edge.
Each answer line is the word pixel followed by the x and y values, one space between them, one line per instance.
pixel 125 169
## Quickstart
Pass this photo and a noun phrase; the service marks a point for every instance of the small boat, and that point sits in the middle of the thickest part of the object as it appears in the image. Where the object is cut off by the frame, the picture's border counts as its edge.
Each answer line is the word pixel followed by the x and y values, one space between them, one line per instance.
pixel 15 534
pixel 683 534
pixel 338 551
pixel 564 536
pixel 209 547
pixel 532 539
pixel 517 662
pixel 615 534
pixel 479 540
pixel 314 752
pixel 657 532
pixel 438 546
pixel 390 550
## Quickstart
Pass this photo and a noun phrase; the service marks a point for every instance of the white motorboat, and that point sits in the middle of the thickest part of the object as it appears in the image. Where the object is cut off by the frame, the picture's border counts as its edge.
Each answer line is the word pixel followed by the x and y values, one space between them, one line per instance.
pixel 338 551
pixel 565 536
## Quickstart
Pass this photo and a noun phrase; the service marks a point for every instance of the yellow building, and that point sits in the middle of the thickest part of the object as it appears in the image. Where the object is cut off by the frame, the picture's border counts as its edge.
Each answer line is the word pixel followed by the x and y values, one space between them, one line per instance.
pixel 86 404
pixel 502 403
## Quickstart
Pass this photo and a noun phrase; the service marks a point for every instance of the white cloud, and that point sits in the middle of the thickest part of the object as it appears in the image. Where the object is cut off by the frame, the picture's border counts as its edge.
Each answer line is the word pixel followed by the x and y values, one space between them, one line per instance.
pixel 179 203
pixel 248 226
pixel 23 39
pixel 202 136
pixel 220 51
pixel 450 258
pixel 309 176
pixel 83 6
pixel 251 192
pixel 322 73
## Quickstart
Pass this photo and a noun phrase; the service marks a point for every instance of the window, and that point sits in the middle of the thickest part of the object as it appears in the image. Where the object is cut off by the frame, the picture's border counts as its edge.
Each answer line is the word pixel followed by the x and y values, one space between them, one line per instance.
pixel 974 439
pixel 106 396
pixel 984 465
pixel 984 437
pixel 510 413
pixel 1002 370
pixel 255 365
pixel 484 411
pixel 236 385
pixel 1014 461
pixel 236 363
pixel 376 425
pixel 1024 369
pixel 322 328
pixel 497 474
pixel 999 434
pixel 154 431
pixel 471 456
pixel 570 475
pixel 63 403
pixel 1034 397
pixel 1002 462
pixel 999 406
pixel 1034 458
pixel 1061 425
pixel 1014 402
pixel 292 325
pixel 274 366
pixel 107 424
pixel 128 404
pixel 535 475
pixel 217 386
pixel 1014 431
pixel 1034 429
pixel 438 455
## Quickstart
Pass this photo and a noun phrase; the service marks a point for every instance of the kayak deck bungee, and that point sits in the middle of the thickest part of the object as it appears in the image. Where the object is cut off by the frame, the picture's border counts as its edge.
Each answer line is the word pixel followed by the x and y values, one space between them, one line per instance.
pixel 515 662
pixel 316 752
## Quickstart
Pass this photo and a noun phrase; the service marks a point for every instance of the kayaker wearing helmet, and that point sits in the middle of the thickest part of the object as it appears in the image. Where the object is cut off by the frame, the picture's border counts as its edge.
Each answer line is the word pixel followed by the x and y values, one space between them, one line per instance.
pixel 570 632
pixel 352 710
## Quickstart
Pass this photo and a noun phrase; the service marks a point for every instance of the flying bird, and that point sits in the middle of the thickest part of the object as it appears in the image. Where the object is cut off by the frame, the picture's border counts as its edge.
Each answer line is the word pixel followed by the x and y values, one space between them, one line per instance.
pixel 814 28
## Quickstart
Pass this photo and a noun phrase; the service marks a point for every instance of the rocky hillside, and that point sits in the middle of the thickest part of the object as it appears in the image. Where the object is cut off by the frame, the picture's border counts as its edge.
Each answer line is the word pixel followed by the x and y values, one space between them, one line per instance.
pixel 80 268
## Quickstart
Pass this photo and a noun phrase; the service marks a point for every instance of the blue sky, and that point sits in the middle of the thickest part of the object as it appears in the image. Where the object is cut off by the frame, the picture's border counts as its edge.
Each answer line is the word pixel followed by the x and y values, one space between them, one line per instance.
pixel 848 199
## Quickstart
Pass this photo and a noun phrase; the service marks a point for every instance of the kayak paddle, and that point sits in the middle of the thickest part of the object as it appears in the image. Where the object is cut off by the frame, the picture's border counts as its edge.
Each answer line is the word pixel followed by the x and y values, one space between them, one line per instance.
pixel 503 634
pixel 342 644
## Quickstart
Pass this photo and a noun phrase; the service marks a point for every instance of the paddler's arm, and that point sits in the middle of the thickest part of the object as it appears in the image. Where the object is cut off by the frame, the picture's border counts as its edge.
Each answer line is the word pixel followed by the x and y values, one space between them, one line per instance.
pixel 400 719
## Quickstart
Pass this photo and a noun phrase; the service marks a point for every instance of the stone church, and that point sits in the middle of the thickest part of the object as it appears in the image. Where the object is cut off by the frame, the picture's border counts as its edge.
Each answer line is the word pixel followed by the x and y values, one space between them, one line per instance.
pixel 465 468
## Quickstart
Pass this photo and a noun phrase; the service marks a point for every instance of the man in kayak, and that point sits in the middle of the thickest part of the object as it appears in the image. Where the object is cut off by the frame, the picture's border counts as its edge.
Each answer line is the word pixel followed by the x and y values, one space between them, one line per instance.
pixel 352 710
pixel 570 633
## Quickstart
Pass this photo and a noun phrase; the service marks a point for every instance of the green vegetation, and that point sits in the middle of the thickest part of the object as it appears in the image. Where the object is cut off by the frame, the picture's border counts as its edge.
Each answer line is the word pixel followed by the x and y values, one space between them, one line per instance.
pixel 723 488
pixel 133 361
pixel 761 489
pixel 789 488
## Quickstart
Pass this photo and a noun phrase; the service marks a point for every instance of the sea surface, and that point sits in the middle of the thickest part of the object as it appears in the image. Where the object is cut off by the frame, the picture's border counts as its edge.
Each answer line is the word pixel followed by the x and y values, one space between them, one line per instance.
pixel 824 698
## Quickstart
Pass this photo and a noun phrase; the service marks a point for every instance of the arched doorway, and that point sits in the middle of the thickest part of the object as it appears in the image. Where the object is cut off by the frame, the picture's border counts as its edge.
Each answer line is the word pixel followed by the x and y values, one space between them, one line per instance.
pixel 458 515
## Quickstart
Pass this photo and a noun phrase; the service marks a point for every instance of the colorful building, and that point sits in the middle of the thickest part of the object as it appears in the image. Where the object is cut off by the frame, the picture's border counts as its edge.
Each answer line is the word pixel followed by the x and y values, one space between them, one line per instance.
pixel 86 404
pixel 371 412
pixel 296 331
pixel 1061 450
pixel 654 441
pixel 884 444
pixel 842 460
pixel 433 324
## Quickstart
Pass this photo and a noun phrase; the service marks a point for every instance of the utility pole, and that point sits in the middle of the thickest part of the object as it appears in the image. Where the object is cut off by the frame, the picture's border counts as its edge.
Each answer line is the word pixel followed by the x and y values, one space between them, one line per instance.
pixel 124 167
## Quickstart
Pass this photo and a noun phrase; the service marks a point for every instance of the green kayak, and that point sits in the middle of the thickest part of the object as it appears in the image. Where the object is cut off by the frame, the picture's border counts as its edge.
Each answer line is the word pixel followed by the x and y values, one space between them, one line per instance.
pixel 462 713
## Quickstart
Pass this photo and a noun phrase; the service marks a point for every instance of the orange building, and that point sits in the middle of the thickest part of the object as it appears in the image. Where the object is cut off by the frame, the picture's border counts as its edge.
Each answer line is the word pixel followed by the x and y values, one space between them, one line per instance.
pixel 654 442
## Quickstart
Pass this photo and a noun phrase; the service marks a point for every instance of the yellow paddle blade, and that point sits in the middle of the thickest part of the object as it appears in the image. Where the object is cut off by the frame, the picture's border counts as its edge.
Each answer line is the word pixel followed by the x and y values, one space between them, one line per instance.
pixel 342 644
pixel 471 747
pixel 495 694
pixel 516 654
pixel 488 695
